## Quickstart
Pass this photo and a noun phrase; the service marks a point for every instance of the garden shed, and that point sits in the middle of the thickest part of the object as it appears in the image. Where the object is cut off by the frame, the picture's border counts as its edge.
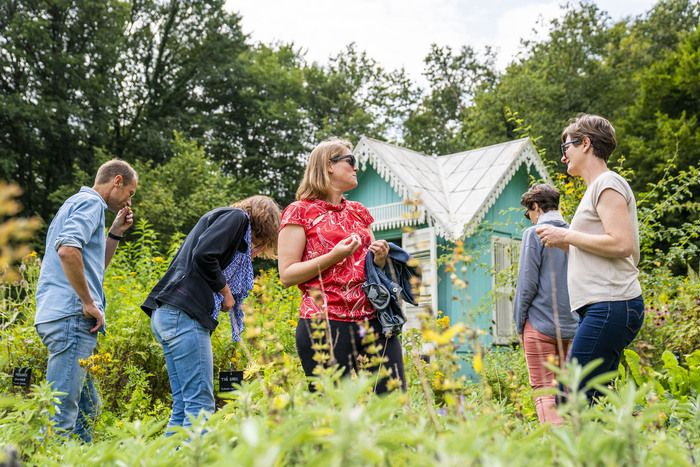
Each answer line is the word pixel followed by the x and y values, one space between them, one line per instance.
pixel 431 204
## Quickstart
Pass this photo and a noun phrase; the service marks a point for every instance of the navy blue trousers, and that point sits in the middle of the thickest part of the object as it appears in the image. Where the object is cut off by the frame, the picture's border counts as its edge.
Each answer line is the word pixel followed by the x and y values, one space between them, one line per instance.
pixel 606 328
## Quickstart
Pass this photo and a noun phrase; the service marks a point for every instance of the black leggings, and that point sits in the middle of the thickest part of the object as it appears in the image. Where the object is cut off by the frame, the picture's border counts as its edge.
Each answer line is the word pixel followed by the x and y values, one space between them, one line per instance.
pixel 347 346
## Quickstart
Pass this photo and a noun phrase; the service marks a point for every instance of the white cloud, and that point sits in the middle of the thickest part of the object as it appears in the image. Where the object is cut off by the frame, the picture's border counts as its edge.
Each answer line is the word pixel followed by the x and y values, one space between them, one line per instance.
pixel 398 33
pixel 523 22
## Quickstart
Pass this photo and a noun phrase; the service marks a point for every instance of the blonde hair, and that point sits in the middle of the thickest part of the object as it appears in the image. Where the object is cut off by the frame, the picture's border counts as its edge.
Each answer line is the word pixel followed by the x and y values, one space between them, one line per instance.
pixel 316 183
pixel 265 216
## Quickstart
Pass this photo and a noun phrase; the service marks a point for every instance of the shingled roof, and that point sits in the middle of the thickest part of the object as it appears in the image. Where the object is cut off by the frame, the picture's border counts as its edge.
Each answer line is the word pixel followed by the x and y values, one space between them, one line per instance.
pixel 456 190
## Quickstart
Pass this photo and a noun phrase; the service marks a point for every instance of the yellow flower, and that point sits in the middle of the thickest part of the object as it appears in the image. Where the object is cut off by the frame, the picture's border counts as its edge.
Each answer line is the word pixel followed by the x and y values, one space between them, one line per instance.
pixel 437 380
pixel 444 322
pixel 280 401
pixel 323 432
pixel 445 337
pixel 478 363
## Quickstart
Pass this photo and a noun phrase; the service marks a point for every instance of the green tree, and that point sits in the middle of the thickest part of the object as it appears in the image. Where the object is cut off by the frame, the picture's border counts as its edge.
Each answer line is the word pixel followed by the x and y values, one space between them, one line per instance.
pixel 556 79
pixel 122 76
pixel 353 95
pixel 56 89
pixel 663 119
pixel 172 196
pixel 435 126
pixel 175 59
pixel 260 130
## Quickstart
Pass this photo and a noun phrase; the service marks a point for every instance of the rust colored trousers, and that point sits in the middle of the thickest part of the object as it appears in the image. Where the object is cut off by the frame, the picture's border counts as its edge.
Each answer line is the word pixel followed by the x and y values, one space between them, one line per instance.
pixel 541 349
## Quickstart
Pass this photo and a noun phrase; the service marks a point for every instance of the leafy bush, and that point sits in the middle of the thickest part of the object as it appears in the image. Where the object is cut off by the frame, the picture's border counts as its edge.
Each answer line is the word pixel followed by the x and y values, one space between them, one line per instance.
pixel 272 419
pixel 506 377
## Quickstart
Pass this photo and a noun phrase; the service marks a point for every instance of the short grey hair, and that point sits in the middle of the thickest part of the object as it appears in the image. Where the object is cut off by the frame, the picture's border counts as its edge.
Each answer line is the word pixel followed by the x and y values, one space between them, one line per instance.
pixel 111 169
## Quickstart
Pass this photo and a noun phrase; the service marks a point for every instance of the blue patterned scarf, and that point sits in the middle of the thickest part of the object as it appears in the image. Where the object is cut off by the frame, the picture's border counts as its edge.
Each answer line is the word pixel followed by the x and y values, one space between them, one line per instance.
pixel 239 277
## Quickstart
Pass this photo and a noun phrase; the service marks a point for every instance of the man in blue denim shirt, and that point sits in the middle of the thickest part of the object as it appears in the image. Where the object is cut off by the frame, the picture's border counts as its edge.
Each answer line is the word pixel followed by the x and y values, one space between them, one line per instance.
pixel 70 299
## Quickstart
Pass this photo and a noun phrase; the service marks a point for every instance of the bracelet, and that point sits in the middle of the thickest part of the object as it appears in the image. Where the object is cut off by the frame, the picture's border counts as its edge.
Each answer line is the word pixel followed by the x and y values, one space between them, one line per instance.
pixel 114 237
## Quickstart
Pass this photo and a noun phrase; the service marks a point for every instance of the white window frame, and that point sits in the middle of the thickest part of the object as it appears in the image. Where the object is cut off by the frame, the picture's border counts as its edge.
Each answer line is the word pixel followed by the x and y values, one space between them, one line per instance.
pixel 505 253
pixel 421 244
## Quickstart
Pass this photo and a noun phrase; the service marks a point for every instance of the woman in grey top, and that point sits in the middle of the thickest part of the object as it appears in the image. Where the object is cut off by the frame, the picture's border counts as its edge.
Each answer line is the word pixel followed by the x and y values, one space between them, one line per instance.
pixel 603 246
pixel 541 310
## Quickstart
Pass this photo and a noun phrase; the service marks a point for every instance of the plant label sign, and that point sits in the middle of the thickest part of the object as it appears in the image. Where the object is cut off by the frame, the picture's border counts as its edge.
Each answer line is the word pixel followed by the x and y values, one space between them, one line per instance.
pixel 22 377
pixel 228 380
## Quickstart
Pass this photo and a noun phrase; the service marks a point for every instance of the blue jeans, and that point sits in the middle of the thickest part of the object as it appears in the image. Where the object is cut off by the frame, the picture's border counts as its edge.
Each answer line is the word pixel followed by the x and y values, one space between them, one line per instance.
pixel 606 328
pixel 69 340
pixel 190 363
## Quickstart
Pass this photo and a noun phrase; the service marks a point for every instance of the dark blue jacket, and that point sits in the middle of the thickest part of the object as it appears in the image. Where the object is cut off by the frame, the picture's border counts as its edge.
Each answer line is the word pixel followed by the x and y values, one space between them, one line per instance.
pixel 384 289
pixel 197 269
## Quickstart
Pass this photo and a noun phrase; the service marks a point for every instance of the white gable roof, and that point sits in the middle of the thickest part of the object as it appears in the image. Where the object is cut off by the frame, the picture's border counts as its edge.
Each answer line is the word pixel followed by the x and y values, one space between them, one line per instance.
pixel 456 191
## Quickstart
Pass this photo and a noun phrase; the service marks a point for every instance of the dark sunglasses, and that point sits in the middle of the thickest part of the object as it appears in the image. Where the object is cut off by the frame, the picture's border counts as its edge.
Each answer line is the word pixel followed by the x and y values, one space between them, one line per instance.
pixel 527 214
pixel 567 144
pixel 349 158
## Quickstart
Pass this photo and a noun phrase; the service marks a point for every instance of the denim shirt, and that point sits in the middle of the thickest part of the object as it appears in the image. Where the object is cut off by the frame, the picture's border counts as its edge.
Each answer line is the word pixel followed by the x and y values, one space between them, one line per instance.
pixel 79 223
pixel 384 294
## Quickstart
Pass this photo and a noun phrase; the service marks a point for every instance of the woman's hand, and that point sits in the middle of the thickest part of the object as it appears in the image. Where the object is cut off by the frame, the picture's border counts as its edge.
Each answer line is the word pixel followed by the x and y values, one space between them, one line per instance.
pixel 380 249
pixel 346 247
pixel 553 237
pixel 229 301
pixel 290 247
pixel 619 238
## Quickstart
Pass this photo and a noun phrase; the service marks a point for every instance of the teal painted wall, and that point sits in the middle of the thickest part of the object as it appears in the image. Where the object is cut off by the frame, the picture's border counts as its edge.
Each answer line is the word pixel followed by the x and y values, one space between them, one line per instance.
pixel 473 305
pixel 372 190
pixel 392 235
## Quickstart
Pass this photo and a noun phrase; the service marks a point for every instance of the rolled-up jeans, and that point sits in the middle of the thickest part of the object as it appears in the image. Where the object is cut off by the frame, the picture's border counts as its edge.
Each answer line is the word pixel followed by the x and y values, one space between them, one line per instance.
pixel 190 363
pixel 606 328
pixel 68 341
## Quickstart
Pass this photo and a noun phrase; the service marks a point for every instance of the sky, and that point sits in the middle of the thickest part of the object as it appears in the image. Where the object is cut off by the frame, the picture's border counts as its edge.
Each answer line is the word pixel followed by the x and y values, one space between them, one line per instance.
pixel 398 33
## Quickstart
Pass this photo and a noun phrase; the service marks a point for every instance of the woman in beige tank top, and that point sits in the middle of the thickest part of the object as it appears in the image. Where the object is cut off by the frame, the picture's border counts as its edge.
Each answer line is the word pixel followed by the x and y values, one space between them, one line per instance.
pixel 603 247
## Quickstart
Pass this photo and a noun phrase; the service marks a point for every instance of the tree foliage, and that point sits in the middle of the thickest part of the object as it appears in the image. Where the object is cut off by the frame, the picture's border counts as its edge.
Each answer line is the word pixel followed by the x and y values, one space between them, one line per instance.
pixel 83 80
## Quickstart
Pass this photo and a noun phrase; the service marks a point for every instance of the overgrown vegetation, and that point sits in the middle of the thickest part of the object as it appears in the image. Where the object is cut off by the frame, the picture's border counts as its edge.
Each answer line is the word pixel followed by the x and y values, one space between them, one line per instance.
pixel 650 417
pixel 145 70
pixel 226 118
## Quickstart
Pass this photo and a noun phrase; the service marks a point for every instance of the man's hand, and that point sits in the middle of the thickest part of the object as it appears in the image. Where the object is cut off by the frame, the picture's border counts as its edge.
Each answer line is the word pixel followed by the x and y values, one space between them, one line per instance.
pixel 90 310
pixel 123 221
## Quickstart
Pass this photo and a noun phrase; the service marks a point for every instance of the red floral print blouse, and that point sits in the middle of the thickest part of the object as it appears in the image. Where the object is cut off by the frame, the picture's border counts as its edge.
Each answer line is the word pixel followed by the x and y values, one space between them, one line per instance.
pixel 339 290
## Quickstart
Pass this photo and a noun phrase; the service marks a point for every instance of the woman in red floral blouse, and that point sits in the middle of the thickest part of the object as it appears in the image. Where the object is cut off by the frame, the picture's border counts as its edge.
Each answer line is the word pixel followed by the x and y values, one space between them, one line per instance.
pixel 322 246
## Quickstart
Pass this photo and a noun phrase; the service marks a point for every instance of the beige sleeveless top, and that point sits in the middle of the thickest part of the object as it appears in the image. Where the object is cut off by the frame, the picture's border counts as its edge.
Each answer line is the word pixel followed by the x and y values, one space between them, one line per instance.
pixel 593 278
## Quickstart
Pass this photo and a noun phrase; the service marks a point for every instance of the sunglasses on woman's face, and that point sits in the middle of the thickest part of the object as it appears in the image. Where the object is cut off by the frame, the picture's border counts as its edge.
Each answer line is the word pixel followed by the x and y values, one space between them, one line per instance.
pixel 349 158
